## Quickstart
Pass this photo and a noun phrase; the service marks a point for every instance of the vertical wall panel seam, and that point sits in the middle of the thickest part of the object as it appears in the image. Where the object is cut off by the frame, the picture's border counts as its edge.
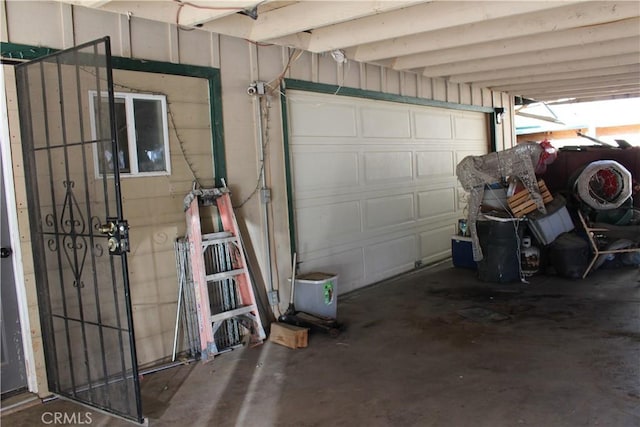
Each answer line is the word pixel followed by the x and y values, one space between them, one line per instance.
pixel 314 67
pixel 254 72
pixel 174 43
pixel 511 114
pixel 284 59
pixel 125 36
pixel 214 49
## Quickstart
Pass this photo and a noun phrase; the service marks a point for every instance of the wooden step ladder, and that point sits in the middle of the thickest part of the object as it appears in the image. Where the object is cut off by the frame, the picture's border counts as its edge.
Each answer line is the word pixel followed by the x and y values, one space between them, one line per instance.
pixel 223 286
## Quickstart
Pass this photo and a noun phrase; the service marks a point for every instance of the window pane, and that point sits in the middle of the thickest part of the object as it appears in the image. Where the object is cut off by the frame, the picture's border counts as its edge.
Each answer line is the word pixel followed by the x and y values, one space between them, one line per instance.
pixel 105 155
pixel 149 135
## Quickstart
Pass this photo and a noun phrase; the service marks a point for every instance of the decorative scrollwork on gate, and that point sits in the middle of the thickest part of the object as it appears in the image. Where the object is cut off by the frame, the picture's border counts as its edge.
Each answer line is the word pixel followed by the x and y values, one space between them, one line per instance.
pixel 75 250
pixel 74 243
pixel 50 221
pixel 72 221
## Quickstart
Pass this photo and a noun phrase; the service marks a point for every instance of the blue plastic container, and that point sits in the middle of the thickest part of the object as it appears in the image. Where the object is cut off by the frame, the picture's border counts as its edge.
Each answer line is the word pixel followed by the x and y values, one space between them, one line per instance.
pixel 462 252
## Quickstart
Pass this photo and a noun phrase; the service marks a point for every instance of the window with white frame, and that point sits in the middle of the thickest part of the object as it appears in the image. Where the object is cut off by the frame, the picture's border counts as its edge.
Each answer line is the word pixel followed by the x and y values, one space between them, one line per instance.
pixel 142 132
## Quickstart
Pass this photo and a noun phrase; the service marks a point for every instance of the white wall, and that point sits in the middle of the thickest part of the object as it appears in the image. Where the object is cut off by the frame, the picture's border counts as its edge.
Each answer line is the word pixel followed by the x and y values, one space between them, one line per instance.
pixel 58 25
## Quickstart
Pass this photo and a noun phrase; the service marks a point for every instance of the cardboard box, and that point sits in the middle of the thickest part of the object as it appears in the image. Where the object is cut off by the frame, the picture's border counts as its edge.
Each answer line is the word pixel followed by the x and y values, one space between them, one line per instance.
pixel 289 335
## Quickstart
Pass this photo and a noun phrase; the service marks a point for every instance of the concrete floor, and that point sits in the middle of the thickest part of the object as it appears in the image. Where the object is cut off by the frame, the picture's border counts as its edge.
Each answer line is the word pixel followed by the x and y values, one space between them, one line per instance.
pixel 432 348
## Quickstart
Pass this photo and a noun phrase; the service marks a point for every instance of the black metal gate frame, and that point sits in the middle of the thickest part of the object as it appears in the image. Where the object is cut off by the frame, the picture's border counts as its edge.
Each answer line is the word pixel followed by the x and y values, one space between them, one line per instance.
pixel 75 232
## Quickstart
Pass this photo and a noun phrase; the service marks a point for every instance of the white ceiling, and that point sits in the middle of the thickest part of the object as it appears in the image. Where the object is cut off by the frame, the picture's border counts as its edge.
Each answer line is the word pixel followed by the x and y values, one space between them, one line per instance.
pixel 542 50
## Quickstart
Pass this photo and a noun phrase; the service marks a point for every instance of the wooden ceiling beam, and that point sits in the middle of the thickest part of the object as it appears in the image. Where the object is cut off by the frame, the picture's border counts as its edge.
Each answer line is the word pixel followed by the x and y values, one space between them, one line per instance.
pixel 297 18
pixel 572 133
pixel 96 3
pixel 571 82
pixel 418 19
pixel 87 3
pixel 551 135
pixel 570 37
pixel 428 16
pixel 538 58
pixel 233 25
pixel 560 67
pixel 550 20
pixel 552 77
pixel 191 13
pixel 310 15
pixel 163 11
pixel 592 98
pixel 196 12
pixel 617 130
pixel 549 95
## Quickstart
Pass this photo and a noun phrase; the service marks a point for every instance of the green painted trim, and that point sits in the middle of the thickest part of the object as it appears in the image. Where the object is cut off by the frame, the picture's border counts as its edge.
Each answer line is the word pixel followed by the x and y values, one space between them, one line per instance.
pixel 23 51
pixel 212 75
pixel 380 96
pixel 162 67
pixel 217 128
pixel 493 131
pixel 287 170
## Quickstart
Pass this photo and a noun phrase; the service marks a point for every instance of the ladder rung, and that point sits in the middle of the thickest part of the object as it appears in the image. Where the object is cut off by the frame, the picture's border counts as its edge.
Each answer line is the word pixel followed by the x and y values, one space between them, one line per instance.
pixel 219 241
pixel 218 235
pixel 233 313
pixel 225 274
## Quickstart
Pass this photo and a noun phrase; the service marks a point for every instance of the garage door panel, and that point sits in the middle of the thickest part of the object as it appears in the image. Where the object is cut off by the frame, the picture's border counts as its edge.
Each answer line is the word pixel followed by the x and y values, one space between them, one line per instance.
pixel 432 164
pixel 369 205
pixel 325 170
pixel 348 265
pixel 389 258
pixel 318 143
pixel 430 125
pixel 323 119
pixel 385 123
pixel 321 225
pixel 470 127
pixel 387 211
pixel 347 258
pixel 436 202
pixel 435 243
pixel 388 166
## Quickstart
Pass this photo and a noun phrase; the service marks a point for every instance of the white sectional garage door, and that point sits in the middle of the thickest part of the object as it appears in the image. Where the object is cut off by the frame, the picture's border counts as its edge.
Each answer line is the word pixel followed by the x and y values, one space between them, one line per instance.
pixel 374 184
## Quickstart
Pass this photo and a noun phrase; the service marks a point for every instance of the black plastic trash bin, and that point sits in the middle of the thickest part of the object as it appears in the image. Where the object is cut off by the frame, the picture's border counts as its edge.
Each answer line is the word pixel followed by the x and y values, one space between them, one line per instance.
pixel 499 243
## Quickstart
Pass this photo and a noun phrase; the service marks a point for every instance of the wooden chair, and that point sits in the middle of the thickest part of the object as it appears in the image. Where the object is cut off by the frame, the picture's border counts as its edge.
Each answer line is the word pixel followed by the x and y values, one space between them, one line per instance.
pixel 599 230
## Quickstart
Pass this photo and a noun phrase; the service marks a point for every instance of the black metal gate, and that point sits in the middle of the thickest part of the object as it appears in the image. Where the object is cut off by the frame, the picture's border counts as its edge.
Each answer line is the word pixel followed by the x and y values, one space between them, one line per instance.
pixel 79 236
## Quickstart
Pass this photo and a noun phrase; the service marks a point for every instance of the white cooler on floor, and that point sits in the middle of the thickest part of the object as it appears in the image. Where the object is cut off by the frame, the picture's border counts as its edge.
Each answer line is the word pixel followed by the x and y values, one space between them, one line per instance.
pixel 317 293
